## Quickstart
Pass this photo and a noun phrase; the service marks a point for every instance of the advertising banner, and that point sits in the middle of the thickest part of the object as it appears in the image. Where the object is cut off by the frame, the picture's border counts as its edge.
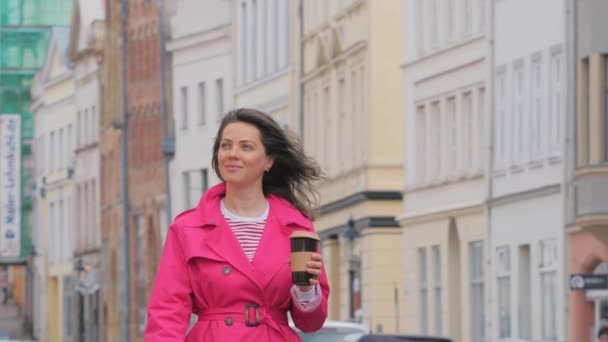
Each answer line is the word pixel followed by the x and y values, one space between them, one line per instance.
pixel 10 185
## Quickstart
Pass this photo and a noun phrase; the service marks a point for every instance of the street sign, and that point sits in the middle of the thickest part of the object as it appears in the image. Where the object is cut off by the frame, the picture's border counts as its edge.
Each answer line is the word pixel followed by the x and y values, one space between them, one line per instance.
pixel 580 282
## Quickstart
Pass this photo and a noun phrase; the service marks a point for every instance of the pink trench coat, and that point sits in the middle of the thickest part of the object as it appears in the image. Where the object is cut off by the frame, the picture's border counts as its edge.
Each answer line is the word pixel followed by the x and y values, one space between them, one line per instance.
pixel 204 270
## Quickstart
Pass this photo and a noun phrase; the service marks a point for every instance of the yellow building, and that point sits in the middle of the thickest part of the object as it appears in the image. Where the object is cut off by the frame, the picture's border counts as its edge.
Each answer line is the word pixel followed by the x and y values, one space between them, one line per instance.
pixel 352 124
pixel 55 111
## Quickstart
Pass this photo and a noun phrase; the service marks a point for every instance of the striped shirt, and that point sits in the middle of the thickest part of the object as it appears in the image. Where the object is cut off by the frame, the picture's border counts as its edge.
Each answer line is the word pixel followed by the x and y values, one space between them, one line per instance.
pixel 248 230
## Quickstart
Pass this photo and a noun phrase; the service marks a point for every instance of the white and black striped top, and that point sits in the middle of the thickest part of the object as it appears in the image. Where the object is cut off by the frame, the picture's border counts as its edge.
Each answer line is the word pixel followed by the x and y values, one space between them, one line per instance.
pixel 248 230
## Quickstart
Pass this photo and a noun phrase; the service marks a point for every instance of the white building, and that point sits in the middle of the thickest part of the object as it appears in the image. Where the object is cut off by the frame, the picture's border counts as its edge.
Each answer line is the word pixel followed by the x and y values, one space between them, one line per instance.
pixel 526 236
pixel 445 110
pixel 200 44
pixel 262 60
pixel 54 108
pixel 86 39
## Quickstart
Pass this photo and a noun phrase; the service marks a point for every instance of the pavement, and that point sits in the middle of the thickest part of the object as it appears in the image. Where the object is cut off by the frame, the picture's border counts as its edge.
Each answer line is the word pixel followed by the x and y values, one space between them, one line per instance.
pixel 11 321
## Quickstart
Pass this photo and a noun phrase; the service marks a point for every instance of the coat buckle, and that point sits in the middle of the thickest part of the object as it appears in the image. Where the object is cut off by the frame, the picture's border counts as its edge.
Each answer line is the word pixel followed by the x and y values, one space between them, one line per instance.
pixel 248 322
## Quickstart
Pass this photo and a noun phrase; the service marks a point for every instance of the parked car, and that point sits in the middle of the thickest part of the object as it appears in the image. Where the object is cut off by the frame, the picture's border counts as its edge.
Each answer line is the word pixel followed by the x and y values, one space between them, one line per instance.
pixel 393 338
pixel 333 331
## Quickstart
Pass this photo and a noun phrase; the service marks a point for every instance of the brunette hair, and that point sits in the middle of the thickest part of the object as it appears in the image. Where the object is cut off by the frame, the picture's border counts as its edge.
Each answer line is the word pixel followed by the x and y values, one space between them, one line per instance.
pixel 292 174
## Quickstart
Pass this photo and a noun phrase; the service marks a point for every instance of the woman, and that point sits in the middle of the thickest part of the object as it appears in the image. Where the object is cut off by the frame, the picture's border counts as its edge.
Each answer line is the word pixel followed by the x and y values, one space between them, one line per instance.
pixel 227 260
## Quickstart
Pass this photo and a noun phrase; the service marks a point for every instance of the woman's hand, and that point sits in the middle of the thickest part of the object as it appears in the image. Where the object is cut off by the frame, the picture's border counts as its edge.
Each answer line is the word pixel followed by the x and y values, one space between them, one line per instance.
pixel 313 267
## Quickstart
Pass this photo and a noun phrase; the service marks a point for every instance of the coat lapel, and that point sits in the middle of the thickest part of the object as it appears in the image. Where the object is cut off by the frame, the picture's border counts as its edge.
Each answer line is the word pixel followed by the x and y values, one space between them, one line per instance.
pixel 221 240
pixel 273 252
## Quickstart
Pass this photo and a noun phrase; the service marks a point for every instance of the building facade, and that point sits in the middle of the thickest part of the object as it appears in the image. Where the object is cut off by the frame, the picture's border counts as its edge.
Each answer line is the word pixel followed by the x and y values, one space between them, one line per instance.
pixel 445 112
pixel 350 91
pixel 54 109
pixel 525 243
pixel 263 58
pixel 146 105
pixel 25 35
pixel 85 48
pixel 587 171
pixel 202 83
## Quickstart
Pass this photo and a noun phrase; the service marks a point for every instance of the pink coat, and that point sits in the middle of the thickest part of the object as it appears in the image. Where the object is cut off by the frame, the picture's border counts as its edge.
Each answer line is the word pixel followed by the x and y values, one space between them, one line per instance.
pixel 204 270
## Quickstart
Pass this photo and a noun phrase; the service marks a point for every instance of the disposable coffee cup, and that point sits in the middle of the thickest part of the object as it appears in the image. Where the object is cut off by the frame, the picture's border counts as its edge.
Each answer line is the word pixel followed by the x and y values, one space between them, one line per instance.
pixel 303 245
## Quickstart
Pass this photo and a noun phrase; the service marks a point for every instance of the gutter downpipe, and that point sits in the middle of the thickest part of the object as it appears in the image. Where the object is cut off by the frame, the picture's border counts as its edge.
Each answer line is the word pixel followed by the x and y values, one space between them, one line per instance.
pixel 163 108
pixel 569 150
pixel 490 164
pixel 125 300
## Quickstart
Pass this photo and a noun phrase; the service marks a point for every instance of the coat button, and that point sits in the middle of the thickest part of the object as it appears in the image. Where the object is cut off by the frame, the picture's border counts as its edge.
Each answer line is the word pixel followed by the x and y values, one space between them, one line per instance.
pixel 226 270
pixel 228 321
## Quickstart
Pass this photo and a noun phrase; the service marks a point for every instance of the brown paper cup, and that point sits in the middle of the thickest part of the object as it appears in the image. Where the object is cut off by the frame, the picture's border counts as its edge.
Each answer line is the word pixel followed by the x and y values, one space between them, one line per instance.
pixel 303 245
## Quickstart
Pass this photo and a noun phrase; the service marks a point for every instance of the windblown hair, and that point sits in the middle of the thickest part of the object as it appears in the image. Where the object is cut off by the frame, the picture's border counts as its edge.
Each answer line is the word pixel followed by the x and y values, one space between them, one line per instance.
pixel 292 174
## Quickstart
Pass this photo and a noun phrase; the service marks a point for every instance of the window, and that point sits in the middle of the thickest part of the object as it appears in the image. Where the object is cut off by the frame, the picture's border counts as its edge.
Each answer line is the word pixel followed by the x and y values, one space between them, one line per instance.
pixel 437 312
pixel 354 110
pixel 606 107
pixel 435 142
pixel 202 104
pixel 254 39
pixel 482 14
pixel 69 146
pixel 85 128
pixel 480 132
pixel 449 26
pixel 243 42
pixel 468 17
pixel 219 86
pixel 584 154
pixel 140 260
pixel 518 114
pixel 52 233
pixel 421 154
pixel 451 137
pixel 476 275
pixel 500 125
pixel 264 35
pixel 60 151
pixel 556 110
pixel 285 32
pixel 68 295
pixel 434 21
pixel 503 273
pixel 61 228
pixel 536 107
pixel 196 182
pixel 549 283
pixel 327 130
pixel 275 32
pixel 52 152
pixel 342 134
pixel 424 299
pixel 79 129
pixel 467 132
pixel 184 107
pixel 420 26
pixel 94 124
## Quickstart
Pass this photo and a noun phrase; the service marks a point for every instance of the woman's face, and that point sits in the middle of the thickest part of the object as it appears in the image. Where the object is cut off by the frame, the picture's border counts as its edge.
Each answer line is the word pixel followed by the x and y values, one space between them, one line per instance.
pixel 241 157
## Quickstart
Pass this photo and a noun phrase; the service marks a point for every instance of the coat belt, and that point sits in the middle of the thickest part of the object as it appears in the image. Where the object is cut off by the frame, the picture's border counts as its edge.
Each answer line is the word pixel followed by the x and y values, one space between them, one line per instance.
pixel 247 315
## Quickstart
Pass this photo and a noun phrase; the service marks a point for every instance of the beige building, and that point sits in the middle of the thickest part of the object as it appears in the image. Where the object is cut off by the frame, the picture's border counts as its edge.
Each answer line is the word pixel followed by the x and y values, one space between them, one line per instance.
pixel 445 110
pixel 353 125
pixel 54 110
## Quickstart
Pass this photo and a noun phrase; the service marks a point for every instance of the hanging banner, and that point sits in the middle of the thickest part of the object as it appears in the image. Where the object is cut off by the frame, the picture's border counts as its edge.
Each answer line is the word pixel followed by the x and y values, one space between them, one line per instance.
pixel 10 185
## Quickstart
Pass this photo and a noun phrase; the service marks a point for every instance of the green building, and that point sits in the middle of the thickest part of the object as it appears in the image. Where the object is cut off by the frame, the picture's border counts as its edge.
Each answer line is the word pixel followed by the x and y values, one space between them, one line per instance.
pixel 24 34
